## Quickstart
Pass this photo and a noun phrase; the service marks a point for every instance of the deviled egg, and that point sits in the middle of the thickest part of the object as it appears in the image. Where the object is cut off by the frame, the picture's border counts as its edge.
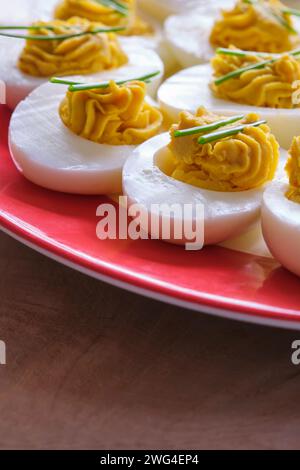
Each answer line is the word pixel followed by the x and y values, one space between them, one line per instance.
pixel 221 163
pixel 77 142
pixel 241 82
pixel 139 29
pixel 258 25
pixel 71 47
pixel 109 13
pixel 281 214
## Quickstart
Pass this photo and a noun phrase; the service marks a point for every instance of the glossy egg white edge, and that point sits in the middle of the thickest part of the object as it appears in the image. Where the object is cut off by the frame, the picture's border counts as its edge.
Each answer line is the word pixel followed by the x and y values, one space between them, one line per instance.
pixel 161 10
pixel 281 226
pixel 18 85
pixel 24 12
pixel 189 89
pixel 50 155
pixel 188 38
pixel 251 242
pixel 227 215
pixel 187 33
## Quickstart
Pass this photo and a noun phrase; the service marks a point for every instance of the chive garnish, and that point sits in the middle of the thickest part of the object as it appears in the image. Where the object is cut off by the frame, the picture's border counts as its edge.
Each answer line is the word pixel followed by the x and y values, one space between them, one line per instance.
pixel 269 10
pixel 259 65
pixel 208 127
pixel 115 5
pixel 51 28
pixel 55 37
pixel 205 139
pixel 62 81
pixel 92 86
pixel 283 22
pixel 291 11
pixel 243 53
pixel 286 11
pixel 238 72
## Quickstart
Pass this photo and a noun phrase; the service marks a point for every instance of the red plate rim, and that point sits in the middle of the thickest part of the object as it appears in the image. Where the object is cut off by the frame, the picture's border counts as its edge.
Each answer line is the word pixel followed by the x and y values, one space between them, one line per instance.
pixel 286 322
pixel 110 272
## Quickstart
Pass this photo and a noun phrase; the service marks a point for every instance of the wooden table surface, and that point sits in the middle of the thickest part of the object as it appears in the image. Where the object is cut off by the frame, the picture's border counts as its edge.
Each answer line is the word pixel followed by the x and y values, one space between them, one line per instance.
pixel 92 366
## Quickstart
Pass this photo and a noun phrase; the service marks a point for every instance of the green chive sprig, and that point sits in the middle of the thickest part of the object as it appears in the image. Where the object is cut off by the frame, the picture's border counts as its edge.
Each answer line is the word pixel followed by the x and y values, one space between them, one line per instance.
pixel 283 22
pixel 54 37
pixel 76 86
pixel 259 65
pixel 238 72
pixel 271 12
pixel 62 81
pixel 291 11
pixel 243 53
pixel 212 137
pixel 208 127
pixel 115 5
pixel 50 28
pixel 285 11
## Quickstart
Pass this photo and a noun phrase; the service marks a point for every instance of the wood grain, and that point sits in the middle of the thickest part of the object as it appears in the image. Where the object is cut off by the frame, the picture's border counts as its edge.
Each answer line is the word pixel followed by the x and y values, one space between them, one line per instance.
pixel 90 366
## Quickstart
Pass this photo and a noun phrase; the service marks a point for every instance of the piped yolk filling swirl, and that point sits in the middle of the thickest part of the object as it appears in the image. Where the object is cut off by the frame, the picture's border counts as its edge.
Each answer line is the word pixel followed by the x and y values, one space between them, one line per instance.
pixel 95 11
pixel 116 115
pixel 85 54
pixel 271 86
pixel 260 26
pixel 241 162
pixel 293 171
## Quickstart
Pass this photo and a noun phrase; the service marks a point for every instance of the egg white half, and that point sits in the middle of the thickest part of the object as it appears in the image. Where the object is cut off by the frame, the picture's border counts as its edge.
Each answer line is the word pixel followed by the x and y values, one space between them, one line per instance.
pixel 187 34
pixel 18 85
pixel 50 155
pixel 251 242
pixel 281 226
pixel 227 214
pixel 188 38
pixel 24 12
pixel 162 10
pixel 189 89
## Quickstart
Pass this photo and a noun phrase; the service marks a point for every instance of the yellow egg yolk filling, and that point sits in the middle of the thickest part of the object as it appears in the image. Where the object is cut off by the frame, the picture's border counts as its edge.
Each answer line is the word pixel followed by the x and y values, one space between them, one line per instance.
pixel 97 12
pixel 241 162
pixel 85 54
pixel 258 26
pixel 293 171
pixel 271 86
pixel 115 115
